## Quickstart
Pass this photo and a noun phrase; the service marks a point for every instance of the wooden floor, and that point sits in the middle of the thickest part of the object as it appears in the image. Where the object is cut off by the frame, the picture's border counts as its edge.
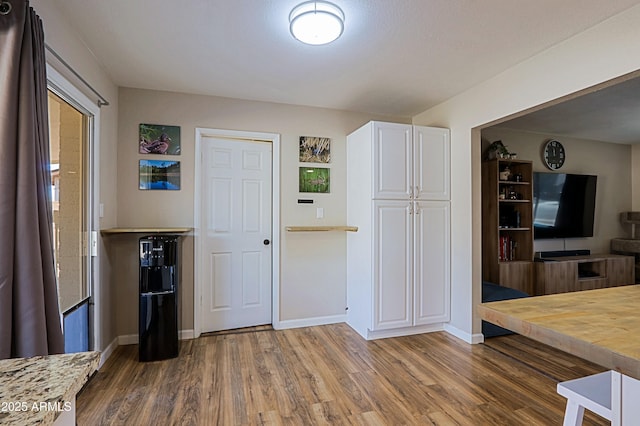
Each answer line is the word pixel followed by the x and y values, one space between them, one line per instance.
pixel 329 375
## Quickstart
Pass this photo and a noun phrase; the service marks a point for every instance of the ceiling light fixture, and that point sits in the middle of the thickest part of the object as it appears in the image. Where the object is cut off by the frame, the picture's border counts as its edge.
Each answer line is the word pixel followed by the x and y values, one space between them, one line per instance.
pixel 316 22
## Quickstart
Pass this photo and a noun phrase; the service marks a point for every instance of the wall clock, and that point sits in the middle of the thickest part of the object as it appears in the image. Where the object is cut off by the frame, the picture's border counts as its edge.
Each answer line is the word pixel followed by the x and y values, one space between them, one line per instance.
pixel 553 154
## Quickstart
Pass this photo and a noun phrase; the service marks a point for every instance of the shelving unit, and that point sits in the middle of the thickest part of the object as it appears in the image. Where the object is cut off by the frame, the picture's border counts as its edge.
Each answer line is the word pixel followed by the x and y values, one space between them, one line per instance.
pixel 507 224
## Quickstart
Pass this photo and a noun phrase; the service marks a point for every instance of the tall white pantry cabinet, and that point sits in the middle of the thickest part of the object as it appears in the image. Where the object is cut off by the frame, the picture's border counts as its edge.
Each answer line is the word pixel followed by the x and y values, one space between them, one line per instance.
pixel 398 263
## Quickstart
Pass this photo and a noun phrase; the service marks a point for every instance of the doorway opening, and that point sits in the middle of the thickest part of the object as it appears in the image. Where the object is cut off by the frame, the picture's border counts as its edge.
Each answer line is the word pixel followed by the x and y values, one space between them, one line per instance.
pixel 74 123
pixel 67 151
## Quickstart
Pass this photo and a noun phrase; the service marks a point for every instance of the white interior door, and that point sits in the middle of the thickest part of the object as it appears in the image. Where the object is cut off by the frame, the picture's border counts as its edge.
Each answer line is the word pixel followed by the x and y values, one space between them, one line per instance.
pixel 236 233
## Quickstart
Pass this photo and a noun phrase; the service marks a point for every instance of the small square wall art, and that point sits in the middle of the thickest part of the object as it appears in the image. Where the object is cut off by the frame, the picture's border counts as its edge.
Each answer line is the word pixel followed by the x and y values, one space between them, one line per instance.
pixel 314 179
pixel 315 150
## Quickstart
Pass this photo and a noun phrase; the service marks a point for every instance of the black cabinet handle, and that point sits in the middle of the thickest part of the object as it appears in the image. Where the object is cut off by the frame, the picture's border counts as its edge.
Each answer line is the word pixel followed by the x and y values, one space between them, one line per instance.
pixel 266 242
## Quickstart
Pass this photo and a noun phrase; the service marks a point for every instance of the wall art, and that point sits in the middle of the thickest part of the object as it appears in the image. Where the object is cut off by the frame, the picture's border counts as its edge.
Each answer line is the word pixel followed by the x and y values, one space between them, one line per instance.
pixel 315 150
pixel 159 174
pixel 159 139
pixel 314 179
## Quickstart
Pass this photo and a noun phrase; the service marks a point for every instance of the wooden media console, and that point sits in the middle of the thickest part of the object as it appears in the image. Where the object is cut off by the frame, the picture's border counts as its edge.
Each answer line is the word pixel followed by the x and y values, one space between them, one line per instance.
pixel 576 273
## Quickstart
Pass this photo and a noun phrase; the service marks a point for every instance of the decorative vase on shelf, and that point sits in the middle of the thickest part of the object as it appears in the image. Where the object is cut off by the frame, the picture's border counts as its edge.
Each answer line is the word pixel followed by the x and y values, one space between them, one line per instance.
pixel 497 150
pixel 505 174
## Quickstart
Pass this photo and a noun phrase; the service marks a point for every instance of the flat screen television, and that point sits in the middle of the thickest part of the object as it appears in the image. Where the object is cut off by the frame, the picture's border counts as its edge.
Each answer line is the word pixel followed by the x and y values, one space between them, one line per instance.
pixel 563 205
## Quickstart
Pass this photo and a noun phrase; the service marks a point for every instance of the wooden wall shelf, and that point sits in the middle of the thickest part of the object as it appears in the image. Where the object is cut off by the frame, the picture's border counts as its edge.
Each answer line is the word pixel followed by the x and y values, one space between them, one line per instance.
pixel 321 228
pixel 110 231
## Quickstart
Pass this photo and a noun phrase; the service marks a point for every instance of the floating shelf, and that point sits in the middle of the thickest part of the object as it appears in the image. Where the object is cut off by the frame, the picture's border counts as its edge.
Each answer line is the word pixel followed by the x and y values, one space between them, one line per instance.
pixel 145 231
pixel 321 228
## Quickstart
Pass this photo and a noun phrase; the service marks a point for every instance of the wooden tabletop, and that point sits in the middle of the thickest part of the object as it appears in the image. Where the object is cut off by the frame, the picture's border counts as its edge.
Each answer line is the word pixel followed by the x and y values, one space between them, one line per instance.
pixel 602 326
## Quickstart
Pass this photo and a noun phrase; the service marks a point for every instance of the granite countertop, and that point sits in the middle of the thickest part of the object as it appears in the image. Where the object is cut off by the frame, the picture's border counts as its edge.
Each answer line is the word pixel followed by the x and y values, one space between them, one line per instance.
pixel 36 390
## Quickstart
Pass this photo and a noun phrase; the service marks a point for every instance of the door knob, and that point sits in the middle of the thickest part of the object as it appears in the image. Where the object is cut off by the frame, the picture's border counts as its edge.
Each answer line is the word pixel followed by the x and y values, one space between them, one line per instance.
pixel 266 242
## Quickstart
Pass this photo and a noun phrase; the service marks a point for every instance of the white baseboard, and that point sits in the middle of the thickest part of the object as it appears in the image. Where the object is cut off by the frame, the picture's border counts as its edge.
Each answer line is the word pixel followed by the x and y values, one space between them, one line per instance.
pixel 310 322
pixel 128 339
pixel 106 353
pixel 187 334
pixel 477 338
pixel 467 337
pixel 405 331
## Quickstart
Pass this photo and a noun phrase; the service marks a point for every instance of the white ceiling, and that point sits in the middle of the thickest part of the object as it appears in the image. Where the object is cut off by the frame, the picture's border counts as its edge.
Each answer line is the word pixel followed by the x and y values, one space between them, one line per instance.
pixel 611 114
pixel 396 57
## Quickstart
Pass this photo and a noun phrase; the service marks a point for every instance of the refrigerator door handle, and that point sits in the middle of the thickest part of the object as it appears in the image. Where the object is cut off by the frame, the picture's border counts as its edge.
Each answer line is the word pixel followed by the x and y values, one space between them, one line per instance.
pixel 157 293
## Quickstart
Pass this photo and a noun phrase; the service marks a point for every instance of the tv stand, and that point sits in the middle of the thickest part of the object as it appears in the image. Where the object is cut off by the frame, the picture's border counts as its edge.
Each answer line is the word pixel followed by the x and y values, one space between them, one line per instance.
pixel 575 273
pixel 563 253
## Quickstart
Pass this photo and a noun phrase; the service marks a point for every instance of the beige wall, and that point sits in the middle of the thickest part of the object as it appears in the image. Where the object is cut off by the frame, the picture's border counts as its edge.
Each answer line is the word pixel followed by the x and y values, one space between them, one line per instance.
pixel 635 177
pixel 312 266
pixel 60 36
pixel 606 51
pixel 609 161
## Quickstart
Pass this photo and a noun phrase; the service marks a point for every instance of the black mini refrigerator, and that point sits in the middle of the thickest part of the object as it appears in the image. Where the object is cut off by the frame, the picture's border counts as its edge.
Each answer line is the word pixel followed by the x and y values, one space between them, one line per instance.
pixel 159 312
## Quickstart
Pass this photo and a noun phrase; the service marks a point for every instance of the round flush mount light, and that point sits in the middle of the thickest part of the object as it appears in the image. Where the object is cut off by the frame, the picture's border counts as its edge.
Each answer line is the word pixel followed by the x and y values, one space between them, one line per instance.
pixel 5 7
pixel 316 22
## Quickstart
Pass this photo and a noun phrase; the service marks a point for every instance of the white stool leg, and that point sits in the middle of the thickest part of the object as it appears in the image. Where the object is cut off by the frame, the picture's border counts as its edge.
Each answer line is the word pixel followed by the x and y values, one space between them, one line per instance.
pixel 573 414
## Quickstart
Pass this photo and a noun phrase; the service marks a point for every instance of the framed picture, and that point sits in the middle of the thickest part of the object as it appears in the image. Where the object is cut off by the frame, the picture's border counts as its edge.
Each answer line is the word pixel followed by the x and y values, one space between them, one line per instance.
pixel 314 179
pixel 159 174
pixel 315 150
pixel 159 139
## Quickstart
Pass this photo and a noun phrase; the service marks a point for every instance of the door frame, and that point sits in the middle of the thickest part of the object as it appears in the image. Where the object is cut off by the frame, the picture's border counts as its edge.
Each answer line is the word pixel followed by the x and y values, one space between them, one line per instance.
pixel 62 87
pixel 274 139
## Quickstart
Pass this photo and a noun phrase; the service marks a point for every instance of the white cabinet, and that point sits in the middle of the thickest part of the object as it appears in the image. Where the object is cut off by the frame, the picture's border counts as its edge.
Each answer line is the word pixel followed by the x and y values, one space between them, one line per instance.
pixel 392 152
pixel 410 162
pixel 392 265
pixel 431 163
pixel 398 267
pixel 431 255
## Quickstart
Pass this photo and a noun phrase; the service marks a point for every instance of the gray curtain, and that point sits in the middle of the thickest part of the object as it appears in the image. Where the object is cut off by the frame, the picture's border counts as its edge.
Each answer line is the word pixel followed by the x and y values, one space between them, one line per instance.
pixel 29 311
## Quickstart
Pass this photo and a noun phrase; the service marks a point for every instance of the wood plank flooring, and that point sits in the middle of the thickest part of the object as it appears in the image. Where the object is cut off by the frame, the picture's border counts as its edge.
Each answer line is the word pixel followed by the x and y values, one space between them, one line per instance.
pixel 329 375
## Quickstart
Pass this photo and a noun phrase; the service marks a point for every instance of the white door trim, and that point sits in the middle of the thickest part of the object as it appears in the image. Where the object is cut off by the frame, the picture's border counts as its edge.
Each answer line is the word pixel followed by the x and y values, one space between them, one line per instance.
pixel 274 139
pixel 87 106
